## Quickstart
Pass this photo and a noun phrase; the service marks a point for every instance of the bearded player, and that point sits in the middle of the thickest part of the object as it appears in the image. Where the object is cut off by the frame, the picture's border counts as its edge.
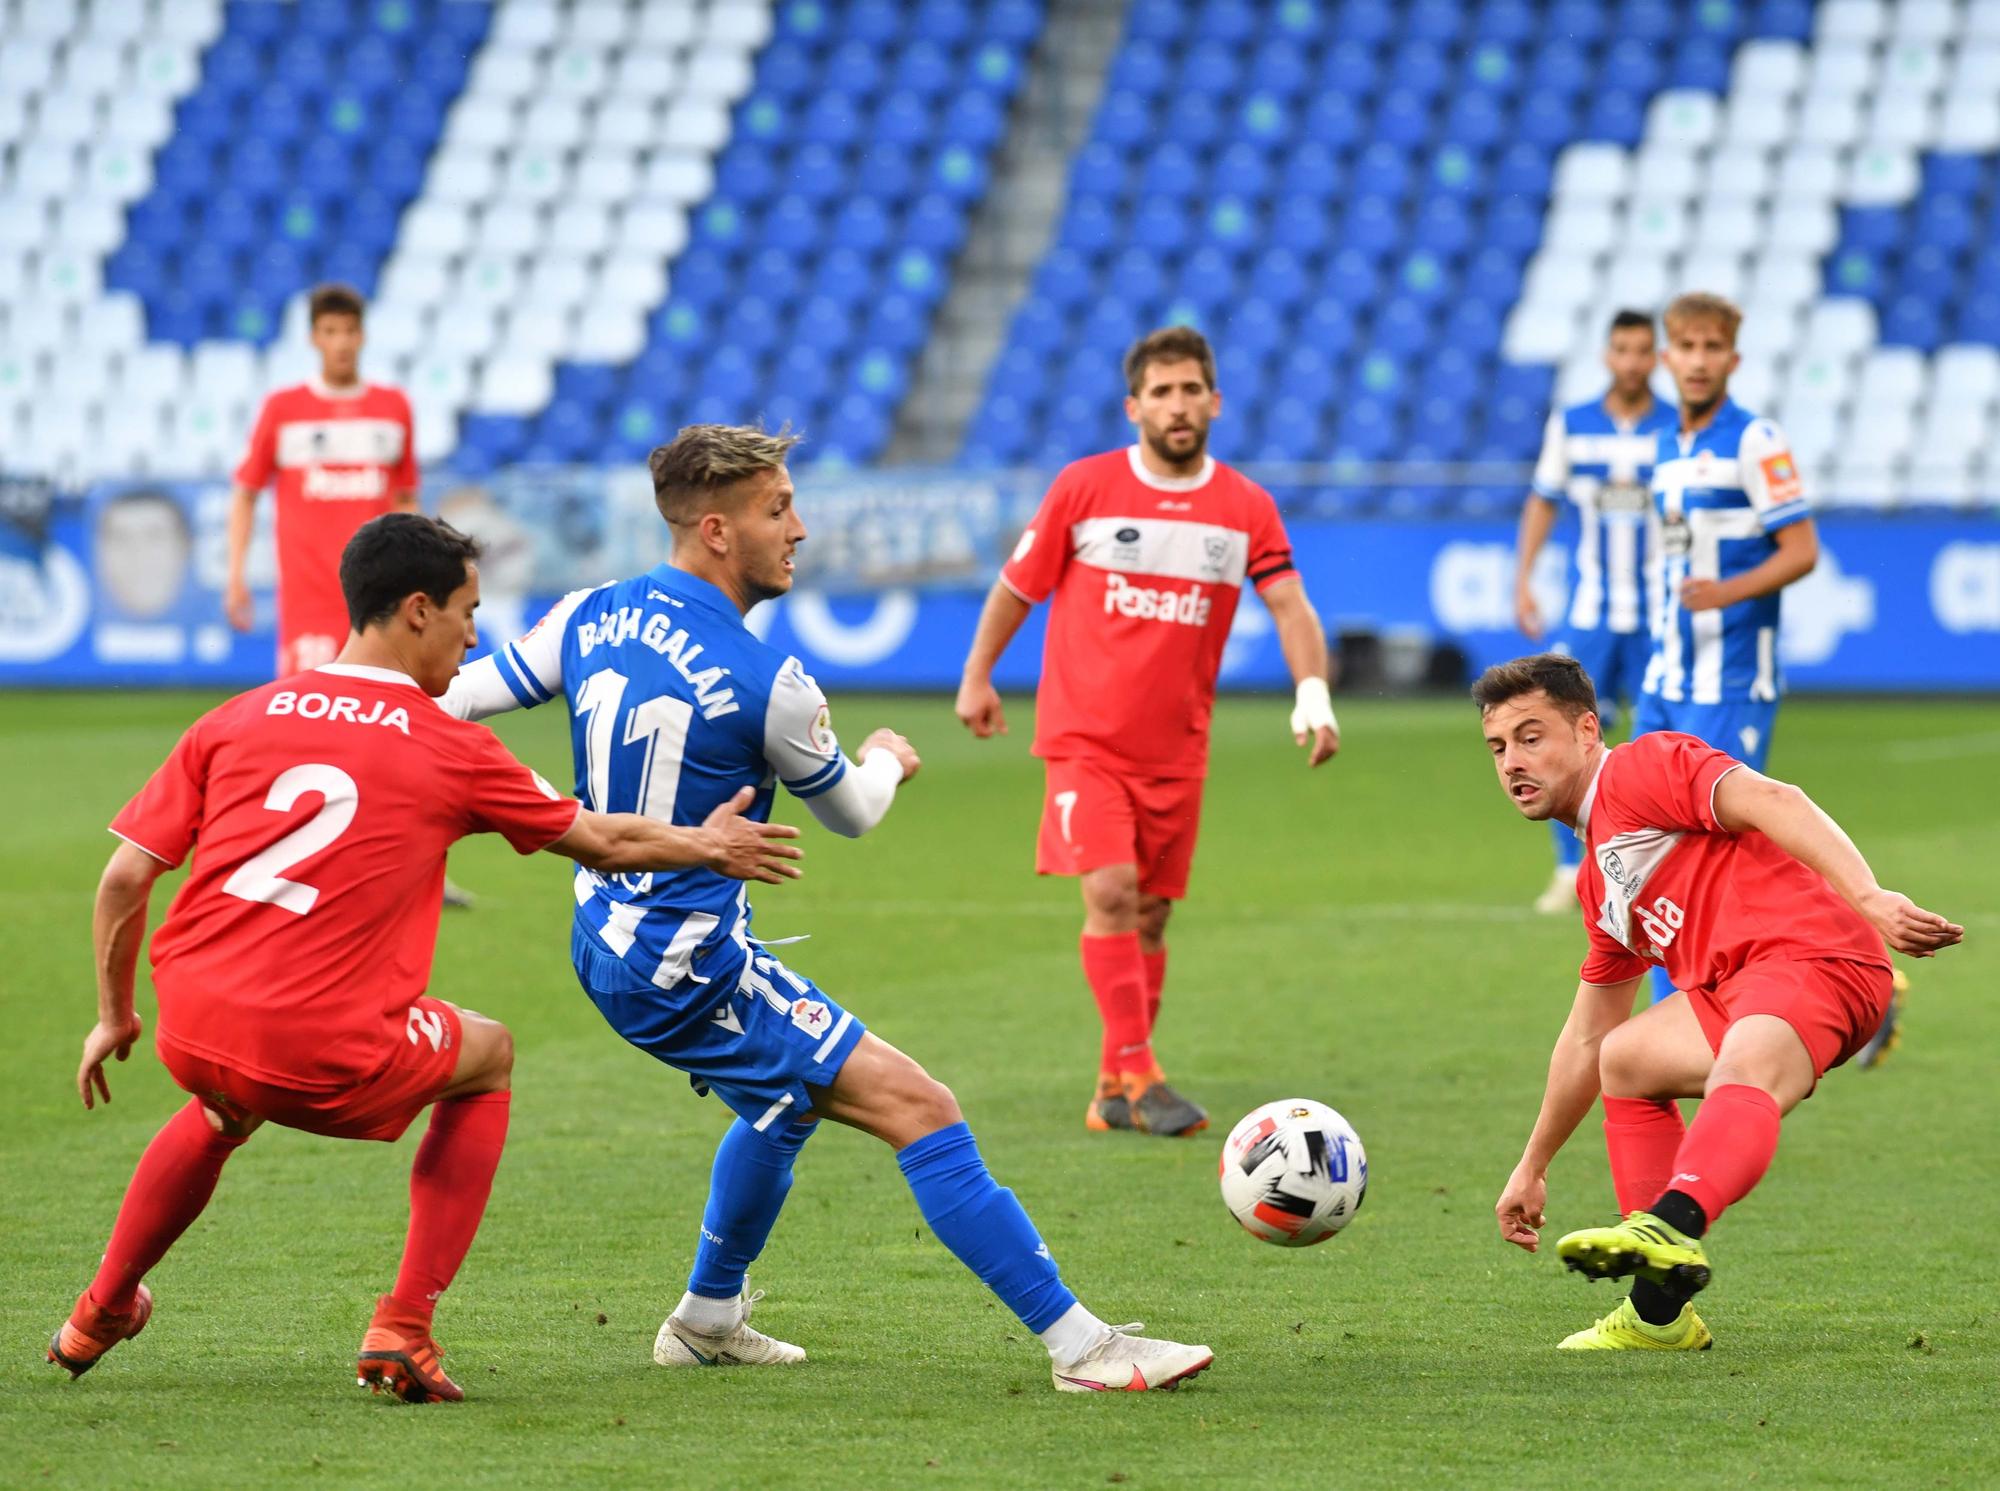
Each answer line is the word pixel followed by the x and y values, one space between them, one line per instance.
pixel 1144 551
pixel 291 968
pixel 1767 917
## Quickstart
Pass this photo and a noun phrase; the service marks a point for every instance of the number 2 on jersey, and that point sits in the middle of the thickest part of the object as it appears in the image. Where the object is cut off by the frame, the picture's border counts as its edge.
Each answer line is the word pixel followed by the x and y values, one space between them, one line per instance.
pixel 261 876
pixel 661 722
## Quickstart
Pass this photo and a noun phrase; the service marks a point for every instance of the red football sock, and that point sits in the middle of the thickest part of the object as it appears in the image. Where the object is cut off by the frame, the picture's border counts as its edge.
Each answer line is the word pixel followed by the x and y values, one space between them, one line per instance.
pixel 1728 1148
pixel 1156 980
pixel 175 1178
pixel 449 1184
pixel 1116 970
pixel 1641 1137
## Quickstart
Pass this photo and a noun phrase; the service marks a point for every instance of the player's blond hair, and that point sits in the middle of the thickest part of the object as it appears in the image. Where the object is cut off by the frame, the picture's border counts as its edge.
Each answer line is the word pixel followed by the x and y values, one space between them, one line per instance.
pixel 703 461
pixel 1699 305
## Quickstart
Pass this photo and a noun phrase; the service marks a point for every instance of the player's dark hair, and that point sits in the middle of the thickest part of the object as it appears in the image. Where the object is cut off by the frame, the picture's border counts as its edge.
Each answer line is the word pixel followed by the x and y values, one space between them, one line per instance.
pixel 1629 320
pixel 396 555
pixel 334 300
pixel 703 460
pixel 1561 678
pixel 1168 344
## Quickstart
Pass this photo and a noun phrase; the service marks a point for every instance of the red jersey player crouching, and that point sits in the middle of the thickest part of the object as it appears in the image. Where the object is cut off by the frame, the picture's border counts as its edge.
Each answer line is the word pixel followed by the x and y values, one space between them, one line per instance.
pixel 1145 551
pixel 318 810
pixel 341 451
pixel 1763 911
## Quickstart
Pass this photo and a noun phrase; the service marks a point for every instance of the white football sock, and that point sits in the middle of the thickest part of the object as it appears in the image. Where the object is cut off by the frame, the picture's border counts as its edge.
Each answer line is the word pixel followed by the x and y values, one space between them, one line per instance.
pixel 710 1317
pixel 1074 1335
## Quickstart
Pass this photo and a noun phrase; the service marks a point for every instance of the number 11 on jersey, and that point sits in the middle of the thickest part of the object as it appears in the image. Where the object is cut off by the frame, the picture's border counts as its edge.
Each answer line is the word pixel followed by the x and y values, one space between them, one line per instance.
pixel 662 723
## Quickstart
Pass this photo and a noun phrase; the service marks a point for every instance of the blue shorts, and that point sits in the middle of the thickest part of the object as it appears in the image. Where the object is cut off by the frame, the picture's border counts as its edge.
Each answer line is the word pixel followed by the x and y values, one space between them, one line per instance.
pixel 1615 661
pixel 1742 727
pixel 758 1046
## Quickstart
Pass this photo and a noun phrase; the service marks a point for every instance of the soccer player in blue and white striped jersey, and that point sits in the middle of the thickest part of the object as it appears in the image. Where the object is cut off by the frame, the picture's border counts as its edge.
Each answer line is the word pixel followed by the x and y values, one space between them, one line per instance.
pixel 675 707
pixel 1598 455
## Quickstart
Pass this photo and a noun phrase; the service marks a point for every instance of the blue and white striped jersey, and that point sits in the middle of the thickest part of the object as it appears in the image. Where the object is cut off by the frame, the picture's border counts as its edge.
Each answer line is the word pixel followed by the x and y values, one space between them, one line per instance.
pixel 674 707
pixel 1603 465
pixel 1720 494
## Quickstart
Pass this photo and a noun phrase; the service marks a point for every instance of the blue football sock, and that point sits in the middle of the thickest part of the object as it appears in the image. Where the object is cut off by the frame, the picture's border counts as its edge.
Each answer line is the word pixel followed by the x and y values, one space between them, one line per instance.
pixel 746 1190
pixel 1569 848
pixel 1663 986
pixel 984 1226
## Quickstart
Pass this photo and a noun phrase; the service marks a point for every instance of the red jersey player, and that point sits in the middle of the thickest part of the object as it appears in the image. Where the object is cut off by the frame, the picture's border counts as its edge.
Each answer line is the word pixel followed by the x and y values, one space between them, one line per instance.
pixel 341 451
pixel 291 967
pixel 1765 914
pixel 1144 551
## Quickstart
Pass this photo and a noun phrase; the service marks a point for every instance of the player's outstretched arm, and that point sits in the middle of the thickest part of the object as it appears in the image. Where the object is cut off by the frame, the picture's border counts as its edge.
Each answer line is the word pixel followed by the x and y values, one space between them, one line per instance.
pixel 518 674
pixel 860 799
pixel 1572 1087
pixel 117 931
pixel 1302 639
pixel 1747 801
pixel 978 705
pixel 727 843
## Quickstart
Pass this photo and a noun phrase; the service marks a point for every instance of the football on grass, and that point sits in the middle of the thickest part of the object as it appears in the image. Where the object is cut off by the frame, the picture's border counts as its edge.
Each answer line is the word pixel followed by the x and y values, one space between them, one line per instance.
pixel 1293 1172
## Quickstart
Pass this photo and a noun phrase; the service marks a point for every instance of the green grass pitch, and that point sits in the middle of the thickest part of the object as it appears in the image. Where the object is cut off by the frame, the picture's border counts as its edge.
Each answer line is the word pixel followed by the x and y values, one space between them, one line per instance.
pixel 1356 936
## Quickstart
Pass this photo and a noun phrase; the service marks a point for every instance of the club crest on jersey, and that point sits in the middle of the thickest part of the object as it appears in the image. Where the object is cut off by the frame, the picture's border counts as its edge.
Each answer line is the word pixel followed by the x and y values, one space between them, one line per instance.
pixel 811 1016
pixel 340 707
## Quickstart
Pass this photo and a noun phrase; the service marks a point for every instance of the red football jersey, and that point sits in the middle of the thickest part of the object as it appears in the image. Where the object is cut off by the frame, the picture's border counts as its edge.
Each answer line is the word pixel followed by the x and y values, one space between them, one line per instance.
pixel 339 458
pixel 1146 571
pixel 1664 882
pixel 319 809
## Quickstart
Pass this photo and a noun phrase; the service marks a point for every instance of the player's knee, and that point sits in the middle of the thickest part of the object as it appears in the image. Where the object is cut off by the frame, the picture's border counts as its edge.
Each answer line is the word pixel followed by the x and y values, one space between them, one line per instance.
pixel 1112 898
pixel 1621 1067
pixel 929 1104
pixel 1154 912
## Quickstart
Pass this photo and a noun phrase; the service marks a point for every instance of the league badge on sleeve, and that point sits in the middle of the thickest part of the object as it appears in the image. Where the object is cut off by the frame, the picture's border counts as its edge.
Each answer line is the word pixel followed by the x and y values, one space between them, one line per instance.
pixel 1781 478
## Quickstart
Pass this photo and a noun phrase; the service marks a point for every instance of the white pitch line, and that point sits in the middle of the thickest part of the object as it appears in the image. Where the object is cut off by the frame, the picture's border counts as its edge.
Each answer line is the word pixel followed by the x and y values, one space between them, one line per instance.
pixel 1945 747
pixel 1360 912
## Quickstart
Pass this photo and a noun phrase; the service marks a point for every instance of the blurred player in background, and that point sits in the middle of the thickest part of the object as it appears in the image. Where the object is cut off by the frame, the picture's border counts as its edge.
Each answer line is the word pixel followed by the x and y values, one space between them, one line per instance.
pixel 341 451
pixel 318 809
pixel 1145 551
pixel 1599 456
pixel 1760 907
pixel 673 705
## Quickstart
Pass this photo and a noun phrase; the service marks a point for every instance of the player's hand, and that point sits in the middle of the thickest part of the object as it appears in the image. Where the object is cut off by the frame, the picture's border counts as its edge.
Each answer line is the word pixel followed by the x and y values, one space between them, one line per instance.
pixel 1906 926
pixel 1527 615
pixel 104 1040
pixel 1312 720
pixel 747 850
pixel 979 709
pixel 888 740
pixel 1520 1209
pixel 237 605
pixel 1325 742
pixel 1703 595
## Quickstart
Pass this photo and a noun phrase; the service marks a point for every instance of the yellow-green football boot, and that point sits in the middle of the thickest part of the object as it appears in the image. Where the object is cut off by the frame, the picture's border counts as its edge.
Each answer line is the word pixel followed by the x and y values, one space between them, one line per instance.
pixel 1623 1330
pixel 1641 1244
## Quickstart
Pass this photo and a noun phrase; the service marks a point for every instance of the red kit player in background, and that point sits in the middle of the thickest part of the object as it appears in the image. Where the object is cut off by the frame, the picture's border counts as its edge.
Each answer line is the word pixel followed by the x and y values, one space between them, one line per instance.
pixel 1762 910
pixel 1145 551
pixel 341 451
pixel 291 967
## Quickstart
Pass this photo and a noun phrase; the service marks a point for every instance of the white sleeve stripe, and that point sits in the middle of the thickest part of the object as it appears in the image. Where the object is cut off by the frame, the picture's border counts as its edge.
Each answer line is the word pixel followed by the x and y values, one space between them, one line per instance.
pixel 150 853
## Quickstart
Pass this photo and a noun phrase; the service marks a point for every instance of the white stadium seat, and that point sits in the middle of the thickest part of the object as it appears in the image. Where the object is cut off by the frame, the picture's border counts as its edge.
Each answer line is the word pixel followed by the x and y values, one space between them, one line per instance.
pixel 598 23
pixel 528 26
pixel 647 75
pixel 49 173
pixel 536 173
pixel 625 123
pixel 416 277
pixel 486 280
pixel 1832 120
pixel 143 121
pixel 504 71
pixel 27 64
pixel 679 176
pixel 225 372
pixel 581 228
pixel 1969 125
pixel 93 69
pixel 1581 228
pixel 1810 171
pixel 665 26
pixel 1954 427
pixel 1882 176
pixel 1842 326
pixel 1558 277
pixel 1641 281
pixel 695 125
pixel 439 380
pixel 1819 378
pixel 560 280
pixel 1757 119
pixel 1953 480
pixel 1653 225
pixel 1537 333
pixel 745 23
pixel 1787 279
pixel 1975 68
pixel 1902 120
pixel 514 384
pixel 165 69
pixel 110 21
pixel 1841 69
pixel 89 225
pixel 396 329
pixel 154 375
pixel 285 364
pixel 541 330
pixel 437 432
pixel 194 23
pixel 1892 377
pixel 606 174
pixel 1768 68
pixel 1801 225
pixel 464 333
pixel 1913 67
pixel 464 174
pixel 653 227
pixel 114 321
pixel 1593 172
pixel 1770 330
pixel 1850 20
pixel 477 119
pixel 630 279
pixel 1718 271
pixel 435 227
pixel 576 72
pixel 1881 438
pixel 1923 20
pixel 1681 116
pixel 554 122
pixel 610 333
pixel 718 72
pixel 24 224
pixel 1968 370
pixel 509 227
pixel 1813 429
pixel 1734 226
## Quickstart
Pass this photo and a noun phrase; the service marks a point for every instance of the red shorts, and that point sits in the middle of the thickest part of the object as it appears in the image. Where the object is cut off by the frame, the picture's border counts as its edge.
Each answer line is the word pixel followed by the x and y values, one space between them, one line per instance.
pixel 1094 815
pixel 1834 1004
pixel 378 1107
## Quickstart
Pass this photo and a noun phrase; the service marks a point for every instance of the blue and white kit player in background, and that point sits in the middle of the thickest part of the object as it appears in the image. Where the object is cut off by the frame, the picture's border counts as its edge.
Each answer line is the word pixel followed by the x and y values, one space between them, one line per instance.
pixel 1735 530
pixel 1599 456
pixel 676 707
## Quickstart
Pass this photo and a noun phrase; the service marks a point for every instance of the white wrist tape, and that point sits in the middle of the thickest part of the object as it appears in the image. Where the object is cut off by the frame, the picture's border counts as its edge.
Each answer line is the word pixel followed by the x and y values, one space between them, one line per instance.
pixel 1313 708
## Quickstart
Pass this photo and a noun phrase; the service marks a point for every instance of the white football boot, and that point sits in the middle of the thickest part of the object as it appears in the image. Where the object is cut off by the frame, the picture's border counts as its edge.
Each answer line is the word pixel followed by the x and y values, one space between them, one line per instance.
pixel 679 1346
pixel 1560 896
pixel 1127 1362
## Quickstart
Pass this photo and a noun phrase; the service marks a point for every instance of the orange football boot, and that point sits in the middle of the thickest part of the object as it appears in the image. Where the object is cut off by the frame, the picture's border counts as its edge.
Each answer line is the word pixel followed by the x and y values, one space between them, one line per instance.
pixel 1109 1109
pixel 1157 1109
pixel 399 1356
pixel 92 1330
